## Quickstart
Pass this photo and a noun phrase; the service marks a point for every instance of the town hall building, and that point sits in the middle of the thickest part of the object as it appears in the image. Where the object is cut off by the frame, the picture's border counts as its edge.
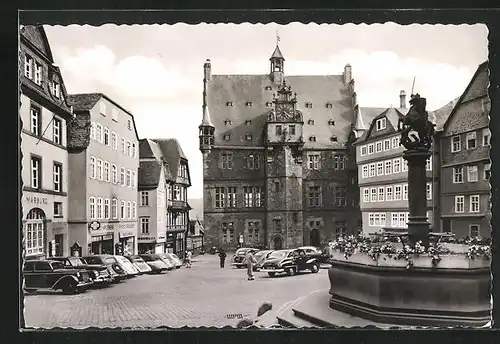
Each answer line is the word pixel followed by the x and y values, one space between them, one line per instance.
pixel 276 152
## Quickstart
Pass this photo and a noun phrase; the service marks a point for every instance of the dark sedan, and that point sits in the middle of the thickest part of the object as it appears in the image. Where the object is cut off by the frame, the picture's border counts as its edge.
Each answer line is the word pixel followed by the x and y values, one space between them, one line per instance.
pixel 260 257
pixel 98 272
pixel 52 275
pixel 114 269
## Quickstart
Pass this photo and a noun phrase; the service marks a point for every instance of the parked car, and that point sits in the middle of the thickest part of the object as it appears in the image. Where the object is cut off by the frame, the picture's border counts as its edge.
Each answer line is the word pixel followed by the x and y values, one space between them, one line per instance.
pixel 289 262
pixel 166 261
pixel 172 258
pixel 260 257
pixel 127 266
pixel 139 264
pixel 155 263
pixel 52 275
pixel 213 250
pixel 316 252
pixel 114 269
pixel 98 272
pixel 238 258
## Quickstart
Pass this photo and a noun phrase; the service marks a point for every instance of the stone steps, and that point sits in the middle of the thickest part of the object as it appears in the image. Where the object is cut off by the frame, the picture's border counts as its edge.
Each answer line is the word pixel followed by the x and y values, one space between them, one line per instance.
pixel 314 311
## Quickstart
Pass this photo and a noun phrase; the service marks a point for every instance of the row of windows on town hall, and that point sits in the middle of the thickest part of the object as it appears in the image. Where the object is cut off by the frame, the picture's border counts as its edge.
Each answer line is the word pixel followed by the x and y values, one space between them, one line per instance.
pixel 381 193
pixel 105 209
pixel 33 70
pixel 388 167
pixel 103 170
pixel 251 234
pixel 253 161
pixel 36 125
pixel 102 135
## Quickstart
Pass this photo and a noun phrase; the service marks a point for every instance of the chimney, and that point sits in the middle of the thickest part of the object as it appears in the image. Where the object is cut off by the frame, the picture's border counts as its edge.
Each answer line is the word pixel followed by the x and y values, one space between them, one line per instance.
pixel 402 99
pixel 207 68
pixel 347 74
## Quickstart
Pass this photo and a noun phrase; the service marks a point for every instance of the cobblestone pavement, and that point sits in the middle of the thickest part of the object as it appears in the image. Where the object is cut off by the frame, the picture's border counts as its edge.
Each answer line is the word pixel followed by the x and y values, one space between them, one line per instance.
pixel 201 296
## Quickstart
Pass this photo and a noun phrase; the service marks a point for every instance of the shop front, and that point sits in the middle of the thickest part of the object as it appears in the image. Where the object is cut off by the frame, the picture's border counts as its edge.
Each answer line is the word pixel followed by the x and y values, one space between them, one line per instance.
pixel 146 244
pixel 126 243
pixel 102 244
pixel 43 233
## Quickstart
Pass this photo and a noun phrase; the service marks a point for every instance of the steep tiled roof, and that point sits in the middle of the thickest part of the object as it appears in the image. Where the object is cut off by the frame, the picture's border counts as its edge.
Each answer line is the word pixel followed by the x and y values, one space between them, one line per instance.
pixel 238 90
pixel 172 152
pixel 149 174
pixel 86 101
pixel 439 116
pixel 148 149
pixel 367 116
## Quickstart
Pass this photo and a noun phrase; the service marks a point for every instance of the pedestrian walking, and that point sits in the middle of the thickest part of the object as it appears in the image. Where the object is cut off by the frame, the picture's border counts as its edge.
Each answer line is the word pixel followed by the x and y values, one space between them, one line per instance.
pixel 189 256
pixel 222 257
pixel 250 261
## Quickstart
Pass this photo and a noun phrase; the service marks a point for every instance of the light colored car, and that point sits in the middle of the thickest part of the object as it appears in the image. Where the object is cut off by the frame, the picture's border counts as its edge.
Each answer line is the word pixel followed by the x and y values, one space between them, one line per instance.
pixel 155 263
pixel 174 260
pixel 127 266
pixel 139 264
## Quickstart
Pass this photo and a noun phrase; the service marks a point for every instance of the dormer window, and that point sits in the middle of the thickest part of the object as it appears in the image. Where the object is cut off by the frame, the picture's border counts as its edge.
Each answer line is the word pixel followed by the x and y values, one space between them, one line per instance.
pixel 269 104
pixel 312 138
pixel 334 138
pixel 268 88
pixel 248 104
pixel 381 124
pixel 248 137
pixel 227 122
pixel 329 105
pixel 310 122
pixel 331 122
pixel 248 122
pixel 309 105
pixel 227 137
pixel 56 89
pixel 230 103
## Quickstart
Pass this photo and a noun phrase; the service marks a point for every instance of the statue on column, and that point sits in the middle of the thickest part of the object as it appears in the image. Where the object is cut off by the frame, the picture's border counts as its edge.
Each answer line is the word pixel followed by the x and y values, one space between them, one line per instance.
pixel 417 120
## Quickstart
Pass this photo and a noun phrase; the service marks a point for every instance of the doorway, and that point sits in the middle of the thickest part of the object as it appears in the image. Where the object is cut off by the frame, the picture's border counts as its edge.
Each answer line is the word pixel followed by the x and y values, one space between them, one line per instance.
pixel 315 238
pixel 278 243
pixel 59 239
pixel 447 225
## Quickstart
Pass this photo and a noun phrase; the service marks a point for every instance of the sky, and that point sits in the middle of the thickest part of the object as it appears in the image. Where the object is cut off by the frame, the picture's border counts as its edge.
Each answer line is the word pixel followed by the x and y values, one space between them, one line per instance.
pixel 156 71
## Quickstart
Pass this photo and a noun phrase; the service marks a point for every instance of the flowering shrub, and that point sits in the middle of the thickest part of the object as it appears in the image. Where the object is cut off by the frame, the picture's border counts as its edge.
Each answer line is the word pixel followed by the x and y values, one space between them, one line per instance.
pixel 376 245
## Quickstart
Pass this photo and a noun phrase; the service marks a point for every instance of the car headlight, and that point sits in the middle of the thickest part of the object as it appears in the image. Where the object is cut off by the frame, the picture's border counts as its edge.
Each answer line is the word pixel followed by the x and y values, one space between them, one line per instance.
pixel 96 273
pixel 78 275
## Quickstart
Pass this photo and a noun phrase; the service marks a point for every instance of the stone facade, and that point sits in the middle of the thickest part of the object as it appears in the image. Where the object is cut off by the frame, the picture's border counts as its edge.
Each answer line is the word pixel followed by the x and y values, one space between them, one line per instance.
pixel 44 115
pixel 283 200
pixel 465 145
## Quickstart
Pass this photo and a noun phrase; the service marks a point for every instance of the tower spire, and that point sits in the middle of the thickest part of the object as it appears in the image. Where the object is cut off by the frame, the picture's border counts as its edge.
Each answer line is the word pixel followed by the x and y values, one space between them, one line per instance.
pixel 277 63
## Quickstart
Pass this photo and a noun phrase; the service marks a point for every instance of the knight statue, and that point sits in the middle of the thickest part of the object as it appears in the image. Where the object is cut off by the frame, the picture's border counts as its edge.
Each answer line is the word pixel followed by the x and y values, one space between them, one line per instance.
pixel 417 120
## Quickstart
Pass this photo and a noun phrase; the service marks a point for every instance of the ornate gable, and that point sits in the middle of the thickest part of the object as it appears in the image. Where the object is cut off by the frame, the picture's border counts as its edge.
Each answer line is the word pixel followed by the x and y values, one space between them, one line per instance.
pixel 36 35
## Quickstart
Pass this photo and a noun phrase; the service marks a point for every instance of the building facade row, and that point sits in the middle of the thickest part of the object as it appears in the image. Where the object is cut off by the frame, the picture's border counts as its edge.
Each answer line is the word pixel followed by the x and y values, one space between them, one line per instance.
pixel 458 191
pixel 81 169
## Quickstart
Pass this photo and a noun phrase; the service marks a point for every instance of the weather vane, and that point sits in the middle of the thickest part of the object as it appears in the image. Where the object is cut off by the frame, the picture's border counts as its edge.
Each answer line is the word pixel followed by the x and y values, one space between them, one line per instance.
pixel 277 37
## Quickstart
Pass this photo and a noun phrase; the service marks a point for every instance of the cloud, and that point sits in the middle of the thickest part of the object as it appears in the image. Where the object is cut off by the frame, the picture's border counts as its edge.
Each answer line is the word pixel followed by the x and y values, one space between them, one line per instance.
pixel 133 76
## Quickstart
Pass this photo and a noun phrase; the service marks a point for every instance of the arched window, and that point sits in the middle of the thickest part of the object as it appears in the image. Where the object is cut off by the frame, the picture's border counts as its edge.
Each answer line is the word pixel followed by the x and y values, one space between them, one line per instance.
pixel 35 231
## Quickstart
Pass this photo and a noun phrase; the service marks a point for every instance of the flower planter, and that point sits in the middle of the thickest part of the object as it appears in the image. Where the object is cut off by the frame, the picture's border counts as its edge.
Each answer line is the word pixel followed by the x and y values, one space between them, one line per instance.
pixel 357 258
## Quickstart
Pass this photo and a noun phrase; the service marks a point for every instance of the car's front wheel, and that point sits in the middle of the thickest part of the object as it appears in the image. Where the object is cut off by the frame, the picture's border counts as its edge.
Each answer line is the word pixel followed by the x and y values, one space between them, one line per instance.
pixel 290 271
pixel 69 288
pixel 314 268
pixel 271 274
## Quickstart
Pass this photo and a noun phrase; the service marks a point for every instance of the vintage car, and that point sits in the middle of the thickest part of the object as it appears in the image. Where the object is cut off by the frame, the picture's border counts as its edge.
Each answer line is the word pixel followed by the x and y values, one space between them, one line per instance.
pixel 172 258
pixel 238 258
pixel 260 257
pixel 139 264
pixel 289 262
pixel 99 272
pixel 155 263
pixel 52 275
pixel 114 269
pixel 126 265
pixel 316 252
